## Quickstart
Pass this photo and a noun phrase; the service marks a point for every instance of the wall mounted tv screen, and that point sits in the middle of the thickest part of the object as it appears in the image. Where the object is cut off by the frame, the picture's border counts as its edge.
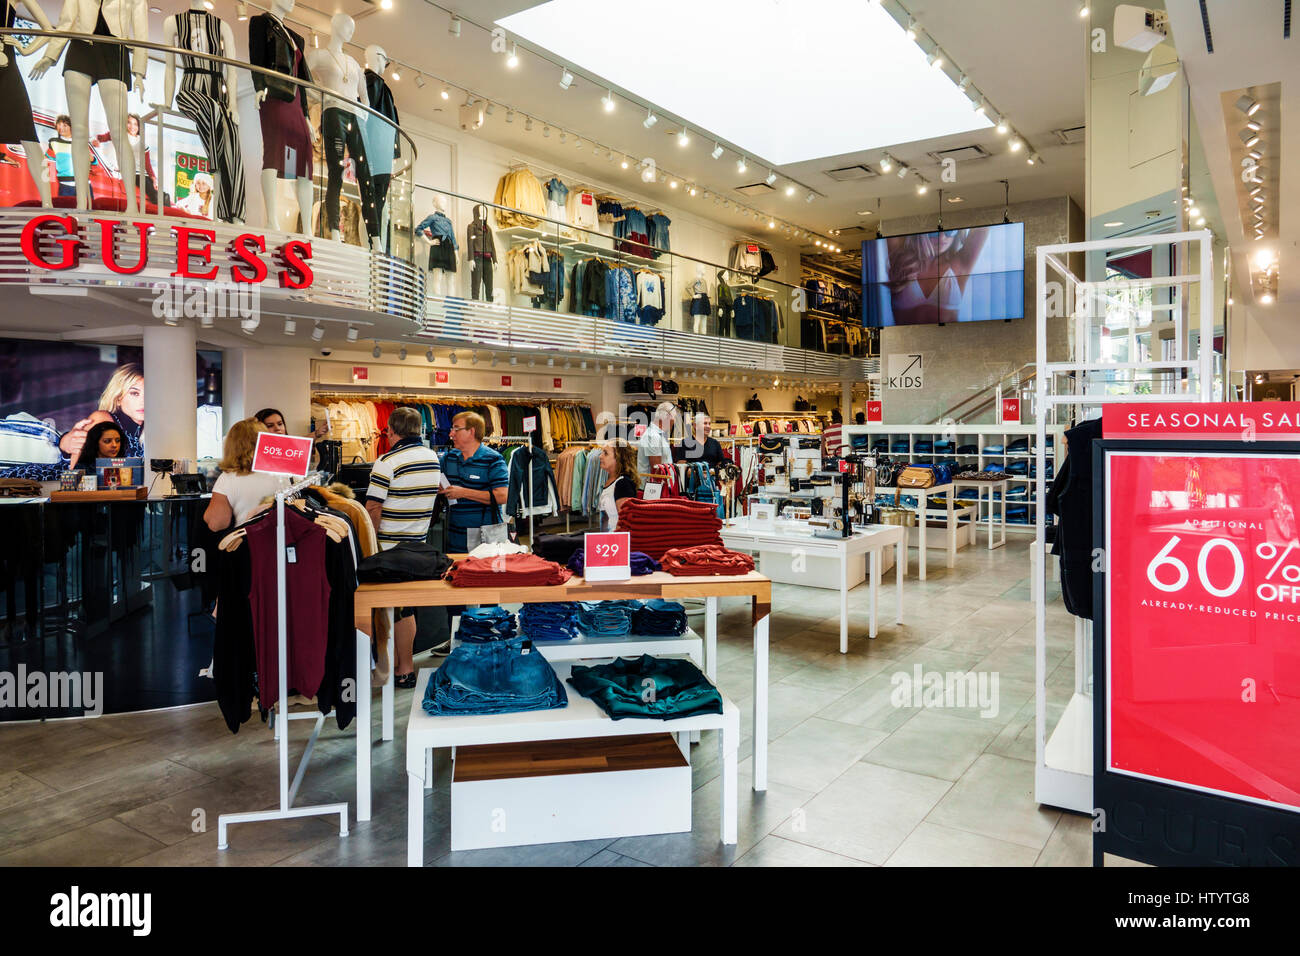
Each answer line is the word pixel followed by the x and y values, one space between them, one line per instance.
pixel 957 275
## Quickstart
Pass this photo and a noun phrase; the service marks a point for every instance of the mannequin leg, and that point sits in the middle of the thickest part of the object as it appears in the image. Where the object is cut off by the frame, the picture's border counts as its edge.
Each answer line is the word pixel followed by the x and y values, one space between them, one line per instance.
pixel 335 141
pixel 303 187
pixel 435 281
pixel 112 93
pixel 76 87
pixel 36 166
pixel 270 193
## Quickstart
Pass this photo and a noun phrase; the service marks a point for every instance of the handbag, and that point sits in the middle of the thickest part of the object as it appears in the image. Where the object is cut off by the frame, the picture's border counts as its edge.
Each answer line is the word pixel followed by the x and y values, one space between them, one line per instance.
pixel 916 476
pixel 771 445
pixel 752 404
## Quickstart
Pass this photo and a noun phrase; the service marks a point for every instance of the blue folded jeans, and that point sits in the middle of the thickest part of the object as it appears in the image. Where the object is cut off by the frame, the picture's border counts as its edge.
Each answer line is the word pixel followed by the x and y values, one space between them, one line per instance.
pixel 498 677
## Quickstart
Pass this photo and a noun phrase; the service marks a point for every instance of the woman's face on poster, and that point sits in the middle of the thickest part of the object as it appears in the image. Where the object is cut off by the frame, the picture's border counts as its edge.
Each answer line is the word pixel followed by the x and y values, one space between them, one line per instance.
pixel 132 404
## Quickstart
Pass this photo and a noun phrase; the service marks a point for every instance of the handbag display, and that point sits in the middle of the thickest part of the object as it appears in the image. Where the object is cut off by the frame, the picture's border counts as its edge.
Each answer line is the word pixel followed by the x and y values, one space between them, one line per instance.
pixel 752 404
pixel 771 445
pixel 916 476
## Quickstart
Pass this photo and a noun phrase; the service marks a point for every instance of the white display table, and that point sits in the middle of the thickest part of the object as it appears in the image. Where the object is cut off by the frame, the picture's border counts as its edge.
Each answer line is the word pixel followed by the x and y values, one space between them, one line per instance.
pixel 992 485
pixel 789 537
pixel 922 496
pixel 580 719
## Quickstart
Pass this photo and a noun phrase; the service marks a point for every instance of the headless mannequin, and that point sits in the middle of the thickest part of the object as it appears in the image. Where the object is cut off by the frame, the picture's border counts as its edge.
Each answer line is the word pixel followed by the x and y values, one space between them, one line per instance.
pixel 8 58
pixel 302 185
pixel 339 73
pixel 439 281
pixel 231 80
pixel 113 97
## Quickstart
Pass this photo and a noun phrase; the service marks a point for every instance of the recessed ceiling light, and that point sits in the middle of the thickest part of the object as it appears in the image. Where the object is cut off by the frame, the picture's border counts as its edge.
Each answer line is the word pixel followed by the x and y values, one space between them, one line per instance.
pixel 1248 105
pixel 956 199
pixel 1112 225
pixel 864 212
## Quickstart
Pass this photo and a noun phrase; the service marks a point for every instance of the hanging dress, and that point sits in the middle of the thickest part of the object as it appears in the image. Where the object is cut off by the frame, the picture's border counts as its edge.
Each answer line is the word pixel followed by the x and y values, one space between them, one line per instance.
pixel 203 99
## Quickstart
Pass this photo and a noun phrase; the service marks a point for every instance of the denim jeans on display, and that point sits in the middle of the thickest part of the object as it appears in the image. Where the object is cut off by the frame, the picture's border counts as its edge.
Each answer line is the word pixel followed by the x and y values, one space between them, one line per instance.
pixel 496 677
pixel 659 618
pixel 479 624
pixel 553 621
pixel 607 618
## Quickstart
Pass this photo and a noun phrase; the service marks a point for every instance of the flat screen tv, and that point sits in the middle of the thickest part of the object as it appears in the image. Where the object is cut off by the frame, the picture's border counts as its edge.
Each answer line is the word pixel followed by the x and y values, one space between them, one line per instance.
pixel 956 275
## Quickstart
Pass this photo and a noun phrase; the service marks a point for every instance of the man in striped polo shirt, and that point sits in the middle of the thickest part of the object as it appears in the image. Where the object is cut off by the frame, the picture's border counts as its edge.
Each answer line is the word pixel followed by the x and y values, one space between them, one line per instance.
pixel 403 488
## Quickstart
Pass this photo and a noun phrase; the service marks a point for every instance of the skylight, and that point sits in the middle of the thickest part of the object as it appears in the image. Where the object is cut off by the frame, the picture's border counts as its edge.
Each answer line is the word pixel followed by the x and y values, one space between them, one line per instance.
pixel 784 80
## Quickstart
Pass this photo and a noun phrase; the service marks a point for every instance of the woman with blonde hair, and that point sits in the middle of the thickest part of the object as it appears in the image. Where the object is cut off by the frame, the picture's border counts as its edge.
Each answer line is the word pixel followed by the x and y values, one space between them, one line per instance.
pixel 238 490
pixel 199 200
pixel 122 403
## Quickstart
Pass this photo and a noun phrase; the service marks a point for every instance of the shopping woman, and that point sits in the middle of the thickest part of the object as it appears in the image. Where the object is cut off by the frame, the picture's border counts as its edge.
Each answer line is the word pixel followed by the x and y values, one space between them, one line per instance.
pixel 273 420
pixel 121 403
pixel 618 459
pixel 105 440
pixel 238 491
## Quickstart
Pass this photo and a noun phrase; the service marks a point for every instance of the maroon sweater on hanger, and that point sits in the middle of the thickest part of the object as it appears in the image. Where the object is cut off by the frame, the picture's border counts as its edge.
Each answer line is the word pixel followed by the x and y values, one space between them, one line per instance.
pixel 307 604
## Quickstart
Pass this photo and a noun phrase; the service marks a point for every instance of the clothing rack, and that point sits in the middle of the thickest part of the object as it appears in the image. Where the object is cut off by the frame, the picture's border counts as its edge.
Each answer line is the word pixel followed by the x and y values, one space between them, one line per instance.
pixel 281 717
pixel 528 440
pixel 507 396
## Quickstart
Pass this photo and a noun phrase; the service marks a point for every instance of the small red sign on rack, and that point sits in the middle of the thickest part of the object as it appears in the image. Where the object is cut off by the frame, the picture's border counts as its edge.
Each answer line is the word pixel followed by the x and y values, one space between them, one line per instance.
pixel 558 382
pixel 844 467
pixel 731 430
pixel 608 556
pixel 282 454
pixel 506 380
pixel 1010 411
pixel 440 378
pixel 360 373
pixel 875 412
pixel 638 431
pixel 751 248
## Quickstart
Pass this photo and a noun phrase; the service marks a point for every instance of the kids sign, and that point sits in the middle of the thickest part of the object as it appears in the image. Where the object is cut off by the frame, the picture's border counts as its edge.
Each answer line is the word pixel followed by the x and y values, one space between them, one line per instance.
pixel 282 454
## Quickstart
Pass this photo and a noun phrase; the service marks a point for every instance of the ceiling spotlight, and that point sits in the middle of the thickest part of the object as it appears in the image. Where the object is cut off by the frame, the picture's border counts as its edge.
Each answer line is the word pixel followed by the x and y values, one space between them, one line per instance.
pixel 205 320
pixel 1249 137
pixel 817 242
pixel 446 92
pixel 401 354
pixel 771 177
pixel 963 82
pixel 979 105
pixel 546 131
pixel 1083 10
pixel 473 357
pixel 683 138
pixel 672 184
pixel 1002 127
pixel 514 360
pixel 902 171
pixel 886 164
pixel 771 224
pixel 577 143
pixel 650 119
pixel 494 361
pixel 1254 125
pixel 1256 155
pixel 1266 299
pixel 740 166
pixel 1016 144
pixel 911 29
pixel 453 358
pixel 428 355
pixel 717 151
pixel 532 362
pixel 624 368
pixel 1248 105
pixel 512 60
pixel 609 369
pixel 290 326
pixel 170 317
pixel 551 361
pixel 935 60
pixel 250 325
pixel 608 101
pixel 922 189
pixel 317 332
pixel 810 197
pixel 489 109
pixel 566 79
pixel 1200 221
pixel 691 190
pixel 510 116
pixel 352 333
pixel 241 9
pixel 396 76
pixel 528 125
pixel 1032 159
pixel 377 351
pixel 419 80
pixel 625 162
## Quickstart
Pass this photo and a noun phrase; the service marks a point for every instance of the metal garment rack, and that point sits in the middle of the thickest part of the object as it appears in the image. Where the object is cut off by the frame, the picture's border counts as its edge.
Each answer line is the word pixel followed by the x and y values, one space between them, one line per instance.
pixel 288 790
pixel 1067 781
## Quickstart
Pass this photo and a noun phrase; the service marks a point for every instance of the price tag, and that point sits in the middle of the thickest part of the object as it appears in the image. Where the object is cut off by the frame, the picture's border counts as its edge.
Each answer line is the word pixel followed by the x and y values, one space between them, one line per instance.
pixel 506 380
pixel 281 454
pixel 290 555
pixel 653 490
pixel 608 556
pixel 558 382
pixel 530 424
pixel 440 378
pixel 1010 411
pixel 875 412
pixel 360 373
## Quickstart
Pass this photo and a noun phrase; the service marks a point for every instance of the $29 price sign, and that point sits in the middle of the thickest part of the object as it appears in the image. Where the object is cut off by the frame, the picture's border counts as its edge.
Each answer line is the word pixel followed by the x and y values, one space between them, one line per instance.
pixel 1203 621
pixel 608 556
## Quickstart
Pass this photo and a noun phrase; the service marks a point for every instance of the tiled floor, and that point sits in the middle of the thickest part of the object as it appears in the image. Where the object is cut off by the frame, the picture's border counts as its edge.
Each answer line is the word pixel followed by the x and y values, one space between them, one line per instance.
pixel 854 779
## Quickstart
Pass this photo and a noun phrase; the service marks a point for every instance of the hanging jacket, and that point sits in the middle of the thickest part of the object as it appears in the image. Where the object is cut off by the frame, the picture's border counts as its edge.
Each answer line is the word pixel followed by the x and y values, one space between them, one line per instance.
pixel 1070 499
pixel 441 227
pixel 544 498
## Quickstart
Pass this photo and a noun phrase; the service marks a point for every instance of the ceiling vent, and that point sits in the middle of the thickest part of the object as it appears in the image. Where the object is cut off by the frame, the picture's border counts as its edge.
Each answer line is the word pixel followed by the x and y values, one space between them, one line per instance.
pixel 1073 136
pixel 852 174
pixel 857 229
pixel 756 189
pixel 962 154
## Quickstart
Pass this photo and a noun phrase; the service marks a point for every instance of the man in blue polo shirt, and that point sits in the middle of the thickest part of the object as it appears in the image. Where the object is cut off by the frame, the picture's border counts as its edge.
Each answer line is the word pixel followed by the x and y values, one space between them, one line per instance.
pixel 478 484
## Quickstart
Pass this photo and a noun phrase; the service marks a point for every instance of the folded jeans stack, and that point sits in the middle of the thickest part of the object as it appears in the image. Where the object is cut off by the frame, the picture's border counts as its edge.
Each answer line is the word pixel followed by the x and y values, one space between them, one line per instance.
pixel 657 526
pixel 496 677
pixel 551 621
pixel 659 618
pixel 640 563
pixel 515 570
pixel 619 688
pixel 709 559
pixel 479 624
pixel 607 618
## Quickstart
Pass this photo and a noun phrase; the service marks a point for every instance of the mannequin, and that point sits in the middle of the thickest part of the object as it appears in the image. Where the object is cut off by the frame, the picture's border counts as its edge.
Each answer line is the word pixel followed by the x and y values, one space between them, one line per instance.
pixel 16 125
pixel 282 110
pixel 436 228
pixel 106 66
pixel 341 126
pixel 481 253
pixel 381 142
pixel 699 307
pixel 205 98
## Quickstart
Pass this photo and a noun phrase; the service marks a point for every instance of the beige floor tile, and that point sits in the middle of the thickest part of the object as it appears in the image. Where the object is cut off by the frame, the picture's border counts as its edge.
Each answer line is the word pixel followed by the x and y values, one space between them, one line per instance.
pixel 776 851
pixel 934 743
pixel 16 788
pixel 106 843
pixel 1070 843
pixel 817 751
pixel 932 845
pixel 995 798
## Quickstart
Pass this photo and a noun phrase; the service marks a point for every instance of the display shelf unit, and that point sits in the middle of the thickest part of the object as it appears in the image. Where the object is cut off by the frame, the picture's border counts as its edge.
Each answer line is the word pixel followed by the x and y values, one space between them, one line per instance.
pixel 982 436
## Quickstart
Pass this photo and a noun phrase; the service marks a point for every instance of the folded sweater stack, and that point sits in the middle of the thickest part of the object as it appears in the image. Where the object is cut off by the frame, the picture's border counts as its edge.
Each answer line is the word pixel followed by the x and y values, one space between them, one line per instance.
pixel 515 570
pixel 709 559
pixel 657 526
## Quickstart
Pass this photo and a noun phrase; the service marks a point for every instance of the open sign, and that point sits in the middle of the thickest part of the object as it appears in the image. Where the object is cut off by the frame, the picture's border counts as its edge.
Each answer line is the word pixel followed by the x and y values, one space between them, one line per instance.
pixel 282 454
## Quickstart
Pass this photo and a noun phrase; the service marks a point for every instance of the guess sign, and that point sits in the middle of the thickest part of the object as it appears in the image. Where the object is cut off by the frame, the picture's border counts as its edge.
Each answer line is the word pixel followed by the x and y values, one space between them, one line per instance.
pixel 282 454
pixel 193 251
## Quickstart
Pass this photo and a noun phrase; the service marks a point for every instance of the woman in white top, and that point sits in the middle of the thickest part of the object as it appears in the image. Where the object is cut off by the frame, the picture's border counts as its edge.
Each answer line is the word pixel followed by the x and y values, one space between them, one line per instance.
pixel 199 200
pixel 618 459
pixel 238 491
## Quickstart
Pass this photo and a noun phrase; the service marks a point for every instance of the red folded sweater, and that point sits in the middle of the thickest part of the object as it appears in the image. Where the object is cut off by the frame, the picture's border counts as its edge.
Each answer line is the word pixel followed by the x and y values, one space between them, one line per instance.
pixel 658 526
pixel 515 570
pixel 707 559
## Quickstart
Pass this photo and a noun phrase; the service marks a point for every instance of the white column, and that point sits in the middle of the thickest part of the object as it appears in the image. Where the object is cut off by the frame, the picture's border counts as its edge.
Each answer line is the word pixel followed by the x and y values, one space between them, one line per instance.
pixel 170 397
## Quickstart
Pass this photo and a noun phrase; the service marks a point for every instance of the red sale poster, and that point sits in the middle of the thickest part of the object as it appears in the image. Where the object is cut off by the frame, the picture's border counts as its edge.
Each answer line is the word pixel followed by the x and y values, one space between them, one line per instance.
pixel 1203 622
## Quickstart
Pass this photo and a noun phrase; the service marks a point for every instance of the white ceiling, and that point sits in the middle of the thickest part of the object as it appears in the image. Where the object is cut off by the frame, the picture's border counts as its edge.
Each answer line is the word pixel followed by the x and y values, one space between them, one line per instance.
pixel 998 45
